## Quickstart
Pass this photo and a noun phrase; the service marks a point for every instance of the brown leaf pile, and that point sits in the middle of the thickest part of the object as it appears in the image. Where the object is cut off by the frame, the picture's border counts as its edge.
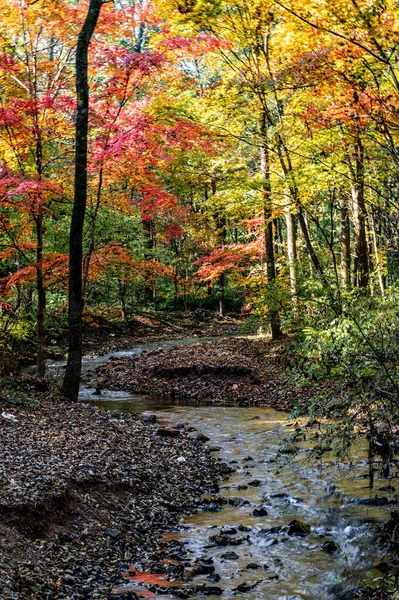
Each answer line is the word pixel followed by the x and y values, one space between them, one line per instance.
pixel 230 371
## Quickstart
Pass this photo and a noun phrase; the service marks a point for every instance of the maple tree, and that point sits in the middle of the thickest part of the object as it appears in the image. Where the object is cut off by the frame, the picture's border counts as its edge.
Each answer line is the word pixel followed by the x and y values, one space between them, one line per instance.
pixel 34 70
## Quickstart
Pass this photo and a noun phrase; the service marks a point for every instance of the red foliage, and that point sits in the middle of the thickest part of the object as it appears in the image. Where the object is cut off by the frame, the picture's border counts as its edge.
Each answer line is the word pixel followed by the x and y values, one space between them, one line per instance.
pixel 234 256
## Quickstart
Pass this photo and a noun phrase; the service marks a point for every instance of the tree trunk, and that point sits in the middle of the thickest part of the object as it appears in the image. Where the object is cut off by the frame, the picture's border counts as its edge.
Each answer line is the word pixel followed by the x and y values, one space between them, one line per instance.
pixel 148 229
pixel 268 224
pixel 122 297
pixel 93 221
pixel 292 255
pixel 360 215
pixel 309 246
pixel 378 266
pixel 222 288
pixel 221 221
pixel 345 240
pixel 70 385
pixel 41 292
pixel 286 165
pixel 41 299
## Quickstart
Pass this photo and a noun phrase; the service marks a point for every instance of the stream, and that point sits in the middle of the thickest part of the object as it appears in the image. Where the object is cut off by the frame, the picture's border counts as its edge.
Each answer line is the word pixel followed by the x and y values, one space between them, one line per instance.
pixel 325 496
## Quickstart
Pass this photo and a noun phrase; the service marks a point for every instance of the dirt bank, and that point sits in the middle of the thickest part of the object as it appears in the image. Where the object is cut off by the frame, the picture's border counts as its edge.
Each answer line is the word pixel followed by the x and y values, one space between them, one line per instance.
pixel 85 493
pixel 245 371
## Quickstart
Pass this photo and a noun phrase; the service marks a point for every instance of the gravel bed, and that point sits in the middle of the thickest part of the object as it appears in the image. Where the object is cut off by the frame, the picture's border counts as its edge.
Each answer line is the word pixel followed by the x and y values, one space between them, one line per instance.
pixel 85 493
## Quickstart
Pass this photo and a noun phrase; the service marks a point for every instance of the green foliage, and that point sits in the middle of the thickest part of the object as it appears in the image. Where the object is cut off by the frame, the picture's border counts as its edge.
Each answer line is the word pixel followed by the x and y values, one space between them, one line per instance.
pixel 359 345
pixel 350 362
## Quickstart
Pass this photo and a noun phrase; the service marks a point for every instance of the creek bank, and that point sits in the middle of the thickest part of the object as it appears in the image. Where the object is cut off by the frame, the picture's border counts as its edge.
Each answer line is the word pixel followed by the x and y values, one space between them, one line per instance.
pixel 85 493
pixel 146 328
pixel 243 371
pixel 102 336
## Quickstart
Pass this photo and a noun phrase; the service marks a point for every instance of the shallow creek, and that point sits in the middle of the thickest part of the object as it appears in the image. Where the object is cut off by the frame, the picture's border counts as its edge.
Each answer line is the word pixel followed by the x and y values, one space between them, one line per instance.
pixel 325 496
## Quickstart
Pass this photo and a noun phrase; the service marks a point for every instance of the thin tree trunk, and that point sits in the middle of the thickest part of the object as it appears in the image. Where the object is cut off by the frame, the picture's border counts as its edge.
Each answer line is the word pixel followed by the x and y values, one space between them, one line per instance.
pixel 222 295
pixel 378 265
pixel 286 165
pixel 148 229
pixel 309 246
pixel 41 299
pixel 221 221
pixel 360 215
pixel 122 297
pixel 93 222
pixel 70 385
pixel 345 240
pixel 268 224
pixel 41 292
pixel 292 256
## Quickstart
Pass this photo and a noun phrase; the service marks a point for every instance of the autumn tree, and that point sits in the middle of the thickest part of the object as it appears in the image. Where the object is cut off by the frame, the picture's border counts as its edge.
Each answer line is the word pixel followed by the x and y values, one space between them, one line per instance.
pixel 34 115
pixel 70 385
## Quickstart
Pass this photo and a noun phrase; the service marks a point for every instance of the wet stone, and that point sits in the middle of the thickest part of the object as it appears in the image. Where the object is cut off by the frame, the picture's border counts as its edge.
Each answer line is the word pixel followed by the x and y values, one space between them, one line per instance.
pixel 168 433
pixel 234 501
pixel 330 547
pixel 251 566
pixel 300 528
pixel 150 419
pixel 246 587
pixel 273 529
pixel 279 495
pixel 225 540
pixel 204 568
pixel 271 542
pixel 289 449
pixel 377 501
pixel 211 507
pixel 208 590
pixel 198 436
pixel 229 556
pixel 229 530
pixel 206 560
pixel 260 512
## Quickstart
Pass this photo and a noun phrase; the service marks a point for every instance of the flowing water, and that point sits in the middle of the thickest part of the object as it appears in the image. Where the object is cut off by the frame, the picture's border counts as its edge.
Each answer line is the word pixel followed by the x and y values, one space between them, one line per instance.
pixel 324 496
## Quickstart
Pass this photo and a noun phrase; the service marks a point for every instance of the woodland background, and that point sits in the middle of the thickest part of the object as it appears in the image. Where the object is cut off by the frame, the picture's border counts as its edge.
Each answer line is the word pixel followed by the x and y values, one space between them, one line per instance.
pixel 243 156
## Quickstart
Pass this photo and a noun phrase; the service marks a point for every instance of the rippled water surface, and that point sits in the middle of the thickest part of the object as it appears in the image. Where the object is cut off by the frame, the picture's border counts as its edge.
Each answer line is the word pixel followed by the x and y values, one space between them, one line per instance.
pixel 324 496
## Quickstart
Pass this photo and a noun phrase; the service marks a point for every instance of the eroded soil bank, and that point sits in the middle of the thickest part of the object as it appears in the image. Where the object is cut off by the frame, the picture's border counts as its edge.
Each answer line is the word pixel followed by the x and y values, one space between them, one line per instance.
pixel 84 493
pixel 243 371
